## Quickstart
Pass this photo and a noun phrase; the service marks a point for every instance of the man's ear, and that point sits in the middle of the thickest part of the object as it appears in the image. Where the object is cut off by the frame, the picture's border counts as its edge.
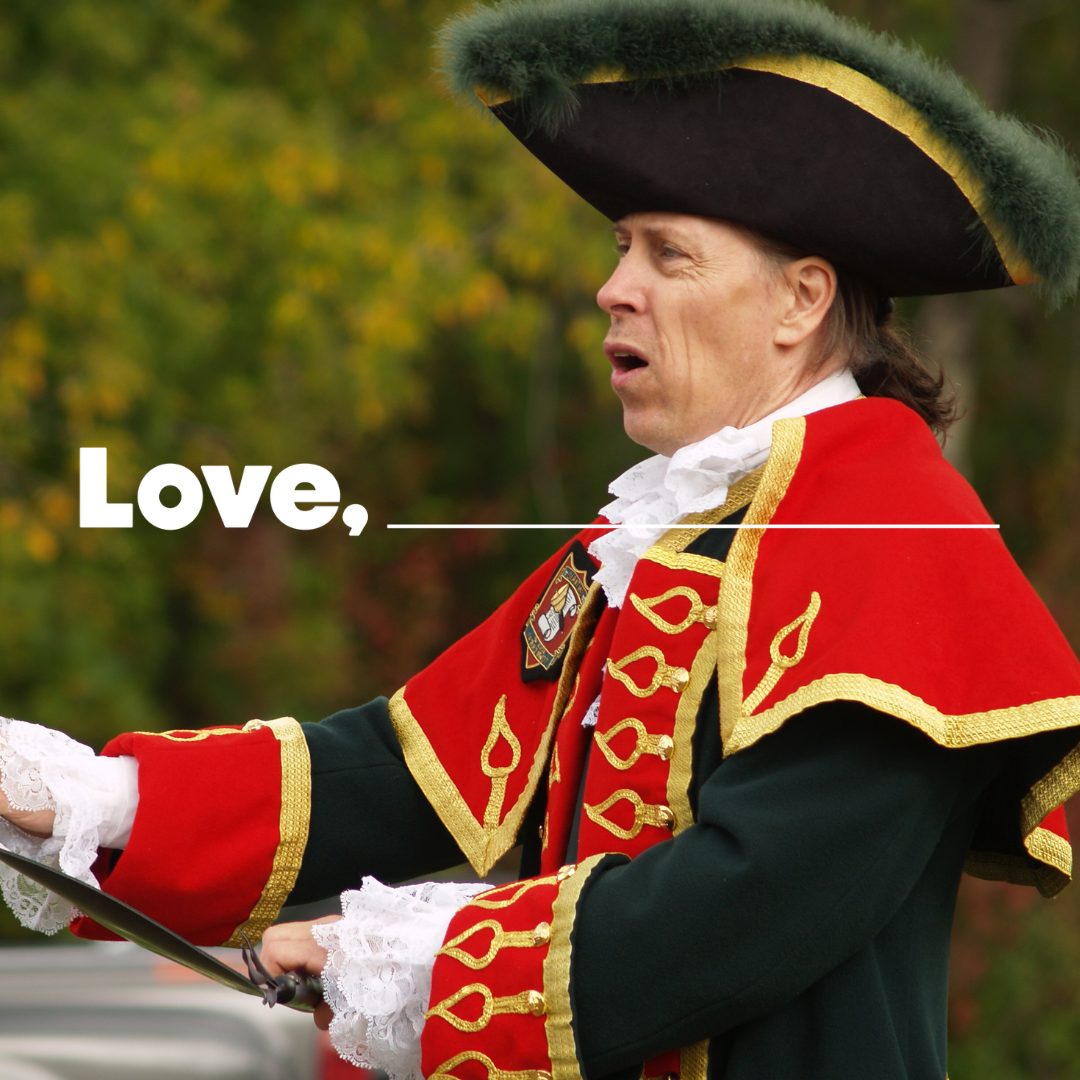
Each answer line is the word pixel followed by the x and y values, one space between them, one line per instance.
pixel 808 288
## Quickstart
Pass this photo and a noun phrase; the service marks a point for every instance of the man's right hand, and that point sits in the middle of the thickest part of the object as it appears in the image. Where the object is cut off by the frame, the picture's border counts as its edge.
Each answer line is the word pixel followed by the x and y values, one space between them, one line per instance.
pixel 35 822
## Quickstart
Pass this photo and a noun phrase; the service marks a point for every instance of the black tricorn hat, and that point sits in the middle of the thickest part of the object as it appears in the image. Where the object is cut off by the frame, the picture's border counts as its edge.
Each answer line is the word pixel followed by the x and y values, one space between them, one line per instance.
pixel 784 117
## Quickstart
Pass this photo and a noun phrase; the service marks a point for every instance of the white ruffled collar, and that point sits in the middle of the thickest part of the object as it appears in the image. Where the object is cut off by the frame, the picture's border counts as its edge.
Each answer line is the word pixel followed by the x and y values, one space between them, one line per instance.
pixel 655 493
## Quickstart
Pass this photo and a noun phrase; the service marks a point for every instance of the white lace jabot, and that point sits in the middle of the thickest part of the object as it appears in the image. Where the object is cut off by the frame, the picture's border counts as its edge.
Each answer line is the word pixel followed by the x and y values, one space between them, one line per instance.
pixel 660 490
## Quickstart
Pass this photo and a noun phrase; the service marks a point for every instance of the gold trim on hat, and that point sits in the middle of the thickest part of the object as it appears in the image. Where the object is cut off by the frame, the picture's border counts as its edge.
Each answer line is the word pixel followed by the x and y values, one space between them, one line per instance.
pixel 879 102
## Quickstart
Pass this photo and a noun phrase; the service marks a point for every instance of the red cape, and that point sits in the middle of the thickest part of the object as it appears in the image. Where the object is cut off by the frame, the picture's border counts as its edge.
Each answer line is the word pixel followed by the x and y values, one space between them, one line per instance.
pixel 935 626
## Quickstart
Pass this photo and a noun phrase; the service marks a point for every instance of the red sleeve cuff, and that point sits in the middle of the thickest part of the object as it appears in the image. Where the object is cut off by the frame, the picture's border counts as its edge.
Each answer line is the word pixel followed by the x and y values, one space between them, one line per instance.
pixel 219 833
pixel 500 988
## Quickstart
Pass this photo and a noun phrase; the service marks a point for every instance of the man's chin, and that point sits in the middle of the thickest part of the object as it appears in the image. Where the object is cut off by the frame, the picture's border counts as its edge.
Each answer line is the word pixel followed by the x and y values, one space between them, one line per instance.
pixel 649 431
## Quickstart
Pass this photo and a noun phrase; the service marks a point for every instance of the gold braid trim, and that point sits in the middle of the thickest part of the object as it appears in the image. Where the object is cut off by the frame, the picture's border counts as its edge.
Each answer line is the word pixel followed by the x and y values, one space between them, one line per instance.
pixel 486 900
pixel 694 1061
pixel 1053 853
pixel 883 105
pixel 900 115
pixel 558 1025
pixel 186 735
pixel 644 814
pixel 527 1003
pixel 293 826
pixel 780 661
pixel 500 939
pixel 443 1072
pixel 736 586
pixel 685 560
pixel 484 847
pixel 697 613
pixel 961 730
pixel 681 771
pixel 1059 785
pixel 669 675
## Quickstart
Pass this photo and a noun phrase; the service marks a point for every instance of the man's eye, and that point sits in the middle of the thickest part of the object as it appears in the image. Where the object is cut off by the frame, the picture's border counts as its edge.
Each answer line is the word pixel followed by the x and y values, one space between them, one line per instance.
pixel 622 249
pixel 669 252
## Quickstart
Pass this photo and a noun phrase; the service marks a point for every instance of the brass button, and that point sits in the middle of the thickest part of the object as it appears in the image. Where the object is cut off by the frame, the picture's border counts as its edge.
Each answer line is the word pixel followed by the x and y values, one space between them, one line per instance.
pixel 541 933
pixel 565 872
pixel 680 679
pixel 665 747
pixel 665 817
pixel 537 1005
pixel 540 832
pixel 708 617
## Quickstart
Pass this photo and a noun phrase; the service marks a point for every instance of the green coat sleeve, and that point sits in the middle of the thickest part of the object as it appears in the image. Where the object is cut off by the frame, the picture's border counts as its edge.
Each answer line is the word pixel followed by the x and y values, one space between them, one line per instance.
pixel 782 917
pixel 368 816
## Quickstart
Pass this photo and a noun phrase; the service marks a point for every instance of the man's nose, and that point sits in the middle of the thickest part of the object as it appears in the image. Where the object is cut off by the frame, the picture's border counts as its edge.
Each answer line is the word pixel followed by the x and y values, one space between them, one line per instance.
pixel 622 293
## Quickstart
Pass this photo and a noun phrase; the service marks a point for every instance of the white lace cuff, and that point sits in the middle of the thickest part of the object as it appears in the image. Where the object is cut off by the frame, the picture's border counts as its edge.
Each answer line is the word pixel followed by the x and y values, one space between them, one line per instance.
pixel 379 959
pixel 94 799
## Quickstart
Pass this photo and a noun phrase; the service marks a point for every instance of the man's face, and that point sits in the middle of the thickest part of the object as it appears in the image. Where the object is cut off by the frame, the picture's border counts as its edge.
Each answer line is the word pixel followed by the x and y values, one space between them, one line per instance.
pixel 694 314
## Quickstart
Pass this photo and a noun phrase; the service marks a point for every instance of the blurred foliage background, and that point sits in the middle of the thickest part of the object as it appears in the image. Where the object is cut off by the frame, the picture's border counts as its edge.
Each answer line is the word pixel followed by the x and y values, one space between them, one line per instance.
pixel 259 232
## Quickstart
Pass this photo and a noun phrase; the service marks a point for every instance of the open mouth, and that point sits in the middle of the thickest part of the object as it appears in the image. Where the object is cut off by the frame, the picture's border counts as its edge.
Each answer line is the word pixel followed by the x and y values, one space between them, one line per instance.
pixel 623 359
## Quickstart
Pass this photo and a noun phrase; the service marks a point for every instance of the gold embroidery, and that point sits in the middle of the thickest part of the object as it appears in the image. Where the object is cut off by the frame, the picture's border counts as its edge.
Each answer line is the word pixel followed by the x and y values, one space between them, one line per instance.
pixel 527 1003
pixel 780 662
pixel 665 675
pixel 498 773
pixel 685 560
pixel 644 744
pixel 184 735
pixel 696 613
pixel 1051 849
pixel 500 939
pixel 574 690
pixel 558 1026
pixel 487 900
pixel 293 821
pixel 736 587
pixel 556 771
pixel 644 814
pixel 1058 786
pixel 694 1061
pixel 443 1071
pixel 945 729
pixel 681 772
pixel 481 848
pixel 1046 794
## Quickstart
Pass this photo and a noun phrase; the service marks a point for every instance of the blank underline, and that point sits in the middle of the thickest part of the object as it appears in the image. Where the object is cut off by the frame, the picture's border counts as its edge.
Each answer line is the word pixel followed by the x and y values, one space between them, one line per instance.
pixel 688 525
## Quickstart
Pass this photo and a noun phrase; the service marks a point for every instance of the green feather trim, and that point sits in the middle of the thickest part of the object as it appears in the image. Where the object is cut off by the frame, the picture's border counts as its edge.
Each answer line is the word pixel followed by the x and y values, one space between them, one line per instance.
pixel 535 52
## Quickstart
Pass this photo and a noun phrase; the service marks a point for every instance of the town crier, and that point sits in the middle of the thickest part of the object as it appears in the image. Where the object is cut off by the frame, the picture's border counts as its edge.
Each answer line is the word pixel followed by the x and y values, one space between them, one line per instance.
pixel 751 725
